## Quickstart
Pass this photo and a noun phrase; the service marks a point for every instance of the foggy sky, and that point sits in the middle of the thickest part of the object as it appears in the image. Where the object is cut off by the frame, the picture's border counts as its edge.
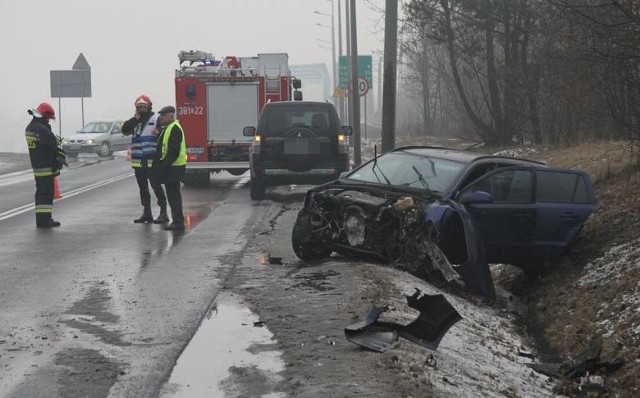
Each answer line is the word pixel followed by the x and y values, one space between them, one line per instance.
pixel 132 47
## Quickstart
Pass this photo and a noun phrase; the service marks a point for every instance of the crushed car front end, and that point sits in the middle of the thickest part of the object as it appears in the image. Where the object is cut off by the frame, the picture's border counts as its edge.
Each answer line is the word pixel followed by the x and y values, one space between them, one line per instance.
pixel 404 227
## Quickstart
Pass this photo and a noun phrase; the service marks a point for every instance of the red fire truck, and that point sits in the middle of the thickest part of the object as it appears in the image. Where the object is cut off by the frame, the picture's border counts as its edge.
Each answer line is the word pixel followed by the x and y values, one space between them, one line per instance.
pixel 216 99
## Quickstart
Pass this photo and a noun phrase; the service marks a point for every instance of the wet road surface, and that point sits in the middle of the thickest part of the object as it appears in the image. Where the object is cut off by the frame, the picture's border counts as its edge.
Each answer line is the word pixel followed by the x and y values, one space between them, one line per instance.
pixel 102 306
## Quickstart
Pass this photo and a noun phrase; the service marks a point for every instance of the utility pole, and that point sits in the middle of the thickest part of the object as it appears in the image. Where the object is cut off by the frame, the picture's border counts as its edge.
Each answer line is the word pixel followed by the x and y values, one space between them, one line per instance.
pixel 333 54
pixel 354 100
pixel 334 66
pixel 341 99
pixel 389 85
pixel 347 33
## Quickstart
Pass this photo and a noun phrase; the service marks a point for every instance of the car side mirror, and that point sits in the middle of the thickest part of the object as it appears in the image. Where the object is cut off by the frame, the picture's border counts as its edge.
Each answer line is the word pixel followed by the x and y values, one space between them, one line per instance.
pixel 343 174
pixel 249 131
pixel 476 197
pixel 347 130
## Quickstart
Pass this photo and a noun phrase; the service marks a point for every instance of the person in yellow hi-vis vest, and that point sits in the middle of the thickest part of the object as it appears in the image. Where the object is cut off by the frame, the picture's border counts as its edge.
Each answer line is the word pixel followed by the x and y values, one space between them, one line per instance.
pixel 170 163
pixel 47 160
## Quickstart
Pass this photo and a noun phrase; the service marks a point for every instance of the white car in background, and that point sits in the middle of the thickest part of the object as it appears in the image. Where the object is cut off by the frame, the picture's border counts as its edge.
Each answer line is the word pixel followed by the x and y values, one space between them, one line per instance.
pixel 101 136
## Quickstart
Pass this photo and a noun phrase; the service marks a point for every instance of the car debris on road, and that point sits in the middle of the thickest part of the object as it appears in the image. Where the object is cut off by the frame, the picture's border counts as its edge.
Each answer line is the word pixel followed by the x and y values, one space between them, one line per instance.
pixel 436 317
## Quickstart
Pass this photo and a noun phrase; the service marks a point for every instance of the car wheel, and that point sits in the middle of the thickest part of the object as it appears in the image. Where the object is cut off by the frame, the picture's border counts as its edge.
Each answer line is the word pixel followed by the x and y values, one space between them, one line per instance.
pixel 105 150
pixel 258 188
pixel 304 244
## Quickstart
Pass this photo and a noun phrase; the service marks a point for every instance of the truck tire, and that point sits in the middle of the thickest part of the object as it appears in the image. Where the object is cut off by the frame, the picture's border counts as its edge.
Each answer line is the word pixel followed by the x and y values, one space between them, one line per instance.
pixel 237 172
pixel 258 188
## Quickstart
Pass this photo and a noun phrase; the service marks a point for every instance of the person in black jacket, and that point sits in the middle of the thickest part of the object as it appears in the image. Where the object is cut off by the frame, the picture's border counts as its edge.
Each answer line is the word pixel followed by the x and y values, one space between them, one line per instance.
pixel 47 160
pixel 170 163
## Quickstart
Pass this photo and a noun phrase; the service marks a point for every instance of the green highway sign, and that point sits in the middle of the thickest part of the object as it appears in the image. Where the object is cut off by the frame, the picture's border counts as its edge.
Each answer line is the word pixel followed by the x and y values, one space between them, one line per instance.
pixel 364 70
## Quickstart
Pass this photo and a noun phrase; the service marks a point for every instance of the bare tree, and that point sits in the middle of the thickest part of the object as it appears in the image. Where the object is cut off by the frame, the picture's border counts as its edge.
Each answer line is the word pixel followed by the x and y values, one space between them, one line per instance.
pixel 488 51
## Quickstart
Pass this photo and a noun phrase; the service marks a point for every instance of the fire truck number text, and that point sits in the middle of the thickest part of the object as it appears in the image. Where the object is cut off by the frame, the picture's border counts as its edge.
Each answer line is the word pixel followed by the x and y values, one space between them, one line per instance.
pixel 190 110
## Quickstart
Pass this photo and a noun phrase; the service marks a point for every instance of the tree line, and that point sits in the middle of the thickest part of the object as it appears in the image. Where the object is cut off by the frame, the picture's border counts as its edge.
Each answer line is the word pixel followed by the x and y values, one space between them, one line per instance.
pixel 544 71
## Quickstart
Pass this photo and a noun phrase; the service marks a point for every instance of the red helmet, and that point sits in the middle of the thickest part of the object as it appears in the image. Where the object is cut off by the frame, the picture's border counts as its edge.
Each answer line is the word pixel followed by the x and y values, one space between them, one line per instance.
pixel 143 99
pixel 43 110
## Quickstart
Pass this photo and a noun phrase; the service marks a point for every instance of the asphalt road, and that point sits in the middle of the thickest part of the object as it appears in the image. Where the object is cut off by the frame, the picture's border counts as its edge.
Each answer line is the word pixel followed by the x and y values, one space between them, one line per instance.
pixel 101 305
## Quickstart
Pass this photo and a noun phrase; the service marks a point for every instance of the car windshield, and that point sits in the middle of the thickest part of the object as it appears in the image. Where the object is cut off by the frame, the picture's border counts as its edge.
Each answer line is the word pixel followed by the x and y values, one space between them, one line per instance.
pixel 401 168
pixel 96 127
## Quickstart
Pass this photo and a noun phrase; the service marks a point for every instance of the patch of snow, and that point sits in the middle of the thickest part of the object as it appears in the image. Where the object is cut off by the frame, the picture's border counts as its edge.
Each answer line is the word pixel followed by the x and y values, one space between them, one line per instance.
pixel 615 262
pixel 517 152
pixel 478 356
pixel 619 263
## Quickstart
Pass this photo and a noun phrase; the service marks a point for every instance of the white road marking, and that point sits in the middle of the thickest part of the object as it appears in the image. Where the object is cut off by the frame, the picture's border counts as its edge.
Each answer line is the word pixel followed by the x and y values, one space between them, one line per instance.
pixel 67 194
pixel 16 177
pixel 241 182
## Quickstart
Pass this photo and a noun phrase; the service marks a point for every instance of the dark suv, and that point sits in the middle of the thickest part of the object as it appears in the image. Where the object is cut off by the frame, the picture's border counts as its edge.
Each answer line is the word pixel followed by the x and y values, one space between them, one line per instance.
pixel 295 142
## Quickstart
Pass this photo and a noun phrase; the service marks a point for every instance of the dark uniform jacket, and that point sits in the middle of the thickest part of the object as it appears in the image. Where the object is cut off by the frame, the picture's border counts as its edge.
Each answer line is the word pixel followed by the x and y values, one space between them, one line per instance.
pixel 43 148
pixel 164 171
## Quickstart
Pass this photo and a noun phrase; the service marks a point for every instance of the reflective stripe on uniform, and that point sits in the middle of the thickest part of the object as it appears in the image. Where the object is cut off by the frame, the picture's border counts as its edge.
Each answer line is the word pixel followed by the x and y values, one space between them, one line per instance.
pixel 137 163
pixel 44 209
pixel 44 172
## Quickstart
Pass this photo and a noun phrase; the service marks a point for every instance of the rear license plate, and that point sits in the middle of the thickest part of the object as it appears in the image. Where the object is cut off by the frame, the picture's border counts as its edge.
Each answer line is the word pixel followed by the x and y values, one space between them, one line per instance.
pixel 300 147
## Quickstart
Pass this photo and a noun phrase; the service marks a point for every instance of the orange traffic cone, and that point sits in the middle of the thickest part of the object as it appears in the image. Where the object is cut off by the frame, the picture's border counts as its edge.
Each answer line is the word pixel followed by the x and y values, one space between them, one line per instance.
pixel 56 190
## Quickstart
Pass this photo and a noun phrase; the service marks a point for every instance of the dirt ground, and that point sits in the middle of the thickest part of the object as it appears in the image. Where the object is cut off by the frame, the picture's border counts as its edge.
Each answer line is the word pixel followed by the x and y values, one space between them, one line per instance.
pixel 573 315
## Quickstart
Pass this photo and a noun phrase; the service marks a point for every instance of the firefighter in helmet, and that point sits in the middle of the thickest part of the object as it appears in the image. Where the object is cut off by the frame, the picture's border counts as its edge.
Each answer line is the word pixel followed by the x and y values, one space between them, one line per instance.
pixel 47 159
pixel 143 151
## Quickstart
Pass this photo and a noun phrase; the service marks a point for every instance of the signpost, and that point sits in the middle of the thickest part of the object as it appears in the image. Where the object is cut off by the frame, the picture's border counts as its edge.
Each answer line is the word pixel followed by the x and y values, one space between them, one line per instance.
pixel 364 70
pixel 363 82
pixel 363 86
pixel 363 89
pixel 74 83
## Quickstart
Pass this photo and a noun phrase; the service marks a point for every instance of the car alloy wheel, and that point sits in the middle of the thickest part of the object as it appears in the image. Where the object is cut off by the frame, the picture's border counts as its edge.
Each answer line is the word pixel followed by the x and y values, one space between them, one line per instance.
pixel 105 150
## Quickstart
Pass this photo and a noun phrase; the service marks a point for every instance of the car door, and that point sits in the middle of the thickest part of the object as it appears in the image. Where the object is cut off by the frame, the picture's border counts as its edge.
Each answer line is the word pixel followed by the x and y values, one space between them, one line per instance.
pixel 564 201
pixel 119 142
pixel 507 219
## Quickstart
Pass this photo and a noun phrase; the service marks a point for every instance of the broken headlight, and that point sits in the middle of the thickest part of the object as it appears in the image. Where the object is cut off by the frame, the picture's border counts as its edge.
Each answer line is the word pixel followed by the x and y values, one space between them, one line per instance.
pixel 355 229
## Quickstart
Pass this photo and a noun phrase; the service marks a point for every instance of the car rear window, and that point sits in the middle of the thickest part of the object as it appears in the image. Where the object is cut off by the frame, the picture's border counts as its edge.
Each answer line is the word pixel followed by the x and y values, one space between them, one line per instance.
pixel 278 120
pixel 96 127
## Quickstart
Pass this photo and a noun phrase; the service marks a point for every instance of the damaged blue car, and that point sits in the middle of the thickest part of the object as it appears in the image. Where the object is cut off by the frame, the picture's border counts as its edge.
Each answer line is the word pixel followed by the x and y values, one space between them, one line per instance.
pixel 442 213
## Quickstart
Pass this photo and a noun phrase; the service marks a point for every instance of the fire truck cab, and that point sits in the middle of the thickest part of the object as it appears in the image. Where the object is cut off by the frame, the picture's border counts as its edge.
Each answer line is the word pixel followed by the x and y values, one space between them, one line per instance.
pixel 216 99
